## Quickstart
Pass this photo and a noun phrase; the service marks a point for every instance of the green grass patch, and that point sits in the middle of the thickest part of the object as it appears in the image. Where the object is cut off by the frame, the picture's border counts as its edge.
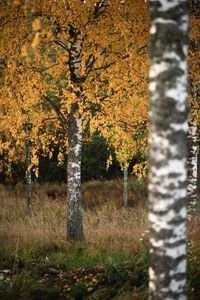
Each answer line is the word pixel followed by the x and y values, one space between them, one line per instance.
pixel 77 271
pixel 74 273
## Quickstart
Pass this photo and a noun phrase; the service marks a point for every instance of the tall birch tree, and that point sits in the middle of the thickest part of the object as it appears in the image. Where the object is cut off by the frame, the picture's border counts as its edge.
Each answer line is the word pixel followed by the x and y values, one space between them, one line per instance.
pixel 74 213
pixel 125 185
pixel 194 76
pixel 192 157
pixel 167 148
pixel 28 168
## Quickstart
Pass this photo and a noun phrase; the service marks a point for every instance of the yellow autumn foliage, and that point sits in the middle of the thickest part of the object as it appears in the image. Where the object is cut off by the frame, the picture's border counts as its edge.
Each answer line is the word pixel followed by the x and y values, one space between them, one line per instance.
pixel 112 96
pixel 36 25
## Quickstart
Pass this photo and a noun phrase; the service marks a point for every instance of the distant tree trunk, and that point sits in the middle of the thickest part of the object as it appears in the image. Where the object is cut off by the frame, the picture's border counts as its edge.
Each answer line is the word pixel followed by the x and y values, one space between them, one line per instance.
pixel 192 159
pixel 74 218
pixel 28 168
pixel 125 192
pixel 167 148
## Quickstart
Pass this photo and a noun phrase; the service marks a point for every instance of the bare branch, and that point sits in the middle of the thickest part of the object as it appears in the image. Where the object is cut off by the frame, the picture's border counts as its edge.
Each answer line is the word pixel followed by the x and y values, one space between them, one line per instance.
pixel 63 45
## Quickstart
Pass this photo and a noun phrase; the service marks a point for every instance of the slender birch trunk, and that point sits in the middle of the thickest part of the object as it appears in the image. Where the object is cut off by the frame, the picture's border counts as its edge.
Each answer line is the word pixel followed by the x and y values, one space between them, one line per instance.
pixel 74 215
pixel 167 148
pixel 28 168
pixel 125 192
pixel 192 160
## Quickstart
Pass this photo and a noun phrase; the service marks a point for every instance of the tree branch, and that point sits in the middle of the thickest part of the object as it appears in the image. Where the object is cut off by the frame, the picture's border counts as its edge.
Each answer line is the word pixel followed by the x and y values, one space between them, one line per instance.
pixel 63 45
pixel 104 66
pixel 61 117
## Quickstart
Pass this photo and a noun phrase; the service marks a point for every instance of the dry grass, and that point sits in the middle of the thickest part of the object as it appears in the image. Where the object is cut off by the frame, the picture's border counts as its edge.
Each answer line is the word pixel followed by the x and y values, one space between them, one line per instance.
pixel 107 226
pixel 108 229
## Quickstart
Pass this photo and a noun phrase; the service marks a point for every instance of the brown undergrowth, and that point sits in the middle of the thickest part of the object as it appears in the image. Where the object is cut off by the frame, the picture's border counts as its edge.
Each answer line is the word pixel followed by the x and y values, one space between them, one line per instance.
pixel 112 262
pixel 107 225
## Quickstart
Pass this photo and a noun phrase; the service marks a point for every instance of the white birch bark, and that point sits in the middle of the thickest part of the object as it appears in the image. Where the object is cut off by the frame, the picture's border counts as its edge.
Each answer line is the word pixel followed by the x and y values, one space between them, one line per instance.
pixel 74 216
pixel 74 212
pixel 192 160
pixel 167 149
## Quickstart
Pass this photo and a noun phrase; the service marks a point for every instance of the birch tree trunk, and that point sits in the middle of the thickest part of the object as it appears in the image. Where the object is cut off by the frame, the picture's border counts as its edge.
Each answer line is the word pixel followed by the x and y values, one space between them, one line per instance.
pixel 192 160
pixel 74 217
pixel 28 169
pixel 74 212
pixel 167 148
pixel 125 192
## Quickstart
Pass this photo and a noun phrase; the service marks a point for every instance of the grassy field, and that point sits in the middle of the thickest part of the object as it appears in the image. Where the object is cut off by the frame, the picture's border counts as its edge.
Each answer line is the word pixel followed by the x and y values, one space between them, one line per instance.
pixel 36 261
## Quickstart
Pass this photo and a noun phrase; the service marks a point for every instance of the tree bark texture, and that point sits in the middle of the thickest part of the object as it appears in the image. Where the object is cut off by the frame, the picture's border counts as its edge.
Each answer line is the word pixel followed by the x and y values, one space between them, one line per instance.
pixel 167 148
pixel 28 168
pixel 192 159
pixel 74 217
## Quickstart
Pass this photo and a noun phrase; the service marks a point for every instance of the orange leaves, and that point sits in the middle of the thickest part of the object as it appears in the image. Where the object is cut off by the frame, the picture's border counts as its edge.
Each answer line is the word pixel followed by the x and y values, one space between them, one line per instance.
pixel 119 123
pixel 113 67
pixel 24 51
pixel 36 25
pixel 17 2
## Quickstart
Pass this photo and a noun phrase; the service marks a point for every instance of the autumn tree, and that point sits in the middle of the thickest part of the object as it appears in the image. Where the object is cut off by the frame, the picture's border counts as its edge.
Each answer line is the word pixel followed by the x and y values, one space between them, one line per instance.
pixel 122 119
pixel 167 148
pixel 90 68
pixel 66 51
pixel 123 124
pixel 22 114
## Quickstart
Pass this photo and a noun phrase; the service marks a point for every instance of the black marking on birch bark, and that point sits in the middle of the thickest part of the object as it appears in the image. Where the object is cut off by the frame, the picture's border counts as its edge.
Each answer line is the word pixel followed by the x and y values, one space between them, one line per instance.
pixel 75 56
pixel 167 149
